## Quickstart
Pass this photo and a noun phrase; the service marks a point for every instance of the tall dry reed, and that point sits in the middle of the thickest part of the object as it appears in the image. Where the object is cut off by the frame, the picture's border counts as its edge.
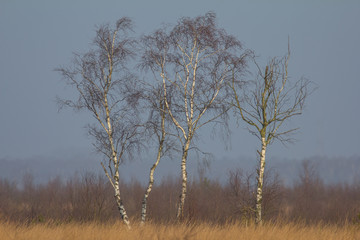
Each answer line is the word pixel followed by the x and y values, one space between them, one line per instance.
pixel 96 231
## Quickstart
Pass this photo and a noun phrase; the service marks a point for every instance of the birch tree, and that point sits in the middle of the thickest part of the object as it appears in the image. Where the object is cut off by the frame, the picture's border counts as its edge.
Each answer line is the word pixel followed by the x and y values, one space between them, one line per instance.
pixel 107 90
pixel 157 128
pixel 194 59
pixel 265 105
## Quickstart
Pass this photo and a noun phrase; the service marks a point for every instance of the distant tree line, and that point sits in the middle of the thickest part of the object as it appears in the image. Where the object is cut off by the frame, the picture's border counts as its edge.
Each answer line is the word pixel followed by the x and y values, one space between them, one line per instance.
pixel 87 197
pixel 157 91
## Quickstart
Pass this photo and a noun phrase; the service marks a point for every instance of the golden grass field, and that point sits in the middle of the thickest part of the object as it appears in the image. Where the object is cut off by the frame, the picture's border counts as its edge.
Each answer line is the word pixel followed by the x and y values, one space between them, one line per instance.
pixel 96 231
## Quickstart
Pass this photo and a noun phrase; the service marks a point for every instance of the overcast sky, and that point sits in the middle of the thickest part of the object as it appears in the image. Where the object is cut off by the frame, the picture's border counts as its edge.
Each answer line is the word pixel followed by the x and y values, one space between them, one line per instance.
pixel 38 36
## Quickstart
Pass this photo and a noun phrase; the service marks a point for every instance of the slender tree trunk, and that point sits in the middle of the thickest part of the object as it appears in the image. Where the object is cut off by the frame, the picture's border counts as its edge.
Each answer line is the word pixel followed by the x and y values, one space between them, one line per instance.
pixel 260 183
pixel 119 202
pixel 180 212
pixel 152 169
pixel 151 182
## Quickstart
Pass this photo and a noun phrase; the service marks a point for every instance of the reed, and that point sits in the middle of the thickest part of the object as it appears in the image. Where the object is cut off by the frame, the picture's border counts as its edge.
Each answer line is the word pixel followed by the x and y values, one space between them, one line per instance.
pixel 98 231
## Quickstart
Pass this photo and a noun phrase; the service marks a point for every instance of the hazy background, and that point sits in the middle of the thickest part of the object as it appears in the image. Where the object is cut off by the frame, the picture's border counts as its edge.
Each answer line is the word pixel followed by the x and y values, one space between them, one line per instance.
pixel 38 36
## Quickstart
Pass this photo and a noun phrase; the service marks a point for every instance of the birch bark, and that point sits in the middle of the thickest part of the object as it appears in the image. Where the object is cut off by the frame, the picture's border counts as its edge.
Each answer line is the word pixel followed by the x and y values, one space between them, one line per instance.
pixel 115 159
pixel 260 183
pixel 119 202
pixel 152 170
pixel 180 212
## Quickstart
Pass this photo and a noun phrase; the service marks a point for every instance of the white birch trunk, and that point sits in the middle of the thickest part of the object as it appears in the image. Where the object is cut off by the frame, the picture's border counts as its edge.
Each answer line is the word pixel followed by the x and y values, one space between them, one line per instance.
pixel 151 182
pixel 119 202
pixel 116 163
pixel 180 212
pixel 117 196
pixel 260 183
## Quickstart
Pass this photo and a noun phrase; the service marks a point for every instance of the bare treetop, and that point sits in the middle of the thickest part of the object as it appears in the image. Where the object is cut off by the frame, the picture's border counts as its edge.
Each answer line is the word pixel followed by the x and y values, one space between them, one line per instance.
pixel 269 100
pixel 109 45
pixel 196 58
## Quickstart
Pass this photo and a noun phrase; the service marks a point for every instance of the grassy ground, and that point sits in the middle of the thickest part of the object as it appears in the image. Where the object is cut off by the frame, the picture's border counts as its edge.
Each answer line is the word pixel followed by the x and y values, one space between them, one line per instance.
pixel 94 231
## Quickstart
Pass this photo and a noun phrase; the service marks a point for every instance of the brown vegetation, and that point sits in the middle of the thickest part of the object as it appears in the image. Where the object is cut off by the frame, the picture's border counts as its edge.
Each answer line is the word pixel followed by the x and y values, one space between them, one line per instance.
pixel 89 231
pixel 82 208
pixel 88 198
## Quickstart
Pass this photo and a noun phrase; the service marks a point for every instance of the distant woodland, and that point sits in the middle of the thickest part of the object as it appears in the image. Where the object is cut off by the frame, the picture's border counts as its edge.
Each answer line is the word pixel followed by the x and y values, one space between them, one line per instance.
pixel 88 197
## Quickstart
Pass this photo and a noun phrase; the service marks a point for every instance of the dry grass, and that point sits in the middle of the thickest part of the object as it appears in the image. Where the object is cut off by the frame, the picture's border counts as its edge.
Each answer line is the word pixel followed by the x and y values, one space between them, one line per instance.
pixel 94 231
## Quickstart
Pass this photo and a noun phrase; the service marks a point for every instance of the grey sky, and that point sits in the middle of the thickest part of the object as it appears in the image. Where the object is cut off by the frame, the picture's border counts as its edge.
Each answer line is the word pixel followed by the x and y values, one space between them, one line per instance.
pixel 38 36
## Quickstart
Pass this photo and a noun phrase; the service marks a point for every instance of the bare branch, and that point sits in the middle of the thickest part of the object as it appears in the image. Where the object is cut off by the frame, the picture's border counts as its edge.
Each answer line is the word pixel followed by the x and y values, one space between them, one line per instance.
pixel 270 102
pixel 108 91
pixel 193 60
